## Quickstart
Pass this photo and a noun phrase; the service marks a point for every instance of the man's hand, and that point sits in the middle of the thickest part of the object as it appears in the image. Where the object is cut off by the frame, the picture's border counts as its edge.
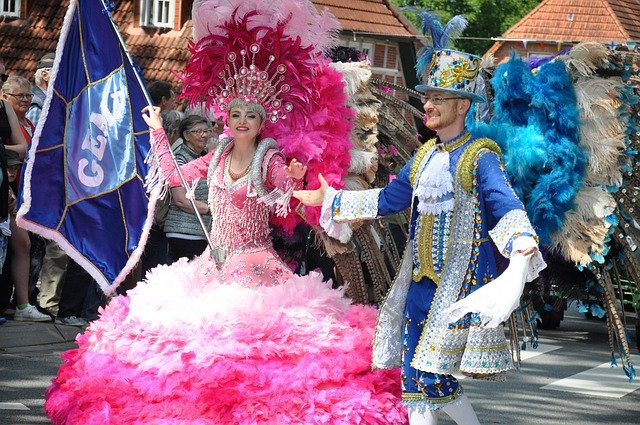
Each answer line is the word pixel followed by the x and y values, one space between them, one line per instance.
pixel 312 198
pixel 527 251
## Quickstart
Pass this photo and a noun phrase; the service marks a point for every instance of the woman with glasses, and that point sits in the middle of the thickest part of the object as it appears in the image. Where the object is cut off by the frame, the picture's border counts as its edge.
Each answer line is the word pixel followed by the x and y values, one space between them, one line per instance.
pixel 17 92
pixel 186 238
pixel 16 98
pixel 10 134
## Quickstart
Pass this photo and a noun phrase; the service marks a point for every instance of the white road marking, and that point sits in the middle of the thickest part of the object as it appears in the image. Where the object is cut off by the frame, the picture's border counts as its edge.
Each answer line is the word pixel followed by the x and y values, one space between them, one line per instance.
pixel 601 381
pixel 13 406
pixel 530 353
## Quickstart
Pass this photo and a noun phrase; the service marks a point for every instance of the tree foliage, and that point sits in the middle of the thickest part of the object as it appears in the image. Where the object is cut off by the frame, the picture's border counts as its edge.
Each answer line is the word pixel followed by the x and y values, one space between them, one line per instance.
pixel 487 18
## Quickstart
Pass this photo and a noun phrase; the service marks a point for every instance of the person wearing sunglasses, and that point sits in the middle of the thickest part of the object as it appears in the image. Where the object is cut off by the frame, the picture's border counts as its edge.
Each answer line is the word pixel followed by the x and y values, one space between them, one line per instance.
pixel 181 225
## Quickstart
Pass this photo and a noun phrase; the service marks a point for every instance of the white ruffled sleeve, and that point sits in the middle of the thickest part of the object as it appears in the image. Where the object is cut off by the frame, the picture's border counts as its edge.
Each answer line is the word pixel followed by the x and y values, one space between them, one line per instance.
pixel 340 207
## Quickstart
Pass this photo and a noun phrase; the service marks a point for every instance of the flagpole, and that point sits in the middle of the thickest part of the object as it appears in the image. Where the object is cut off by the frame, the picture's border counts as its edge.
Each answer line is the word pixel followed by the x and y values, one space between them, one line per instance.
pixel 183 182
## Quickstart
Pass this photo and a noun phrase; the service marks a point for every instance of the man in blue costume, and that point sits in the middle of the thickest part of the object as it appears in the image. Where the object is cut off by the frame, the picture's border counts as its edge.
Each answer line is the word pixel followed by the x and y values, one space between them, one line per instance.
pixel 461 205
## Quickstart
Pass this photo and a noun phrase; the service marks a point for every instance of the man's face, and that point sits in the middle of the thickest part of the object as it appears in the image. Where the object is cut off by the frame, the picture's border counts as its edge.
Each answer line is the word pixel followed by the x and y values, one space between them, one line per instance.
pixel 12 172
pixel 46 73
pixel 442 110
pixel 170 103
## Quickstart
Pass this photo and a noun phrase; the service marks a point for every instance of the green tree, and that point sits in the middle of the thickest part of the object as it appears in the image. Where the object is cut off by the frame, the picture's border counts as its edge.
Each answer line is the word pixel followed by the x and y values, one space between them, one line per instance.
pixel 487 18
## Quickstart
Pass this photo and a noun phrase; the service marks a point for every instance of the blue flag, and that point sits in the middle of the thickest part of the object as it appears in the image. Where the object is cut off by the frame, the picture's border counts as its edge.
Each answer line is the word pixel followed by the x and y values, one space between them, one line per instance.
pixel 84 181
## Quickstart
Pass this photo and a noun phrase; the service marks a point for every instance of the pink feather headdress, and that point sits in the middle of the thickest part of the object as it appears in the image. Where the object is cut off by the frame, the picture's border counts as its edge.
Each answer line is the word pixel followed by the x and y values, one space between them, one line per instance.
pixel 271 52
pixel 258 51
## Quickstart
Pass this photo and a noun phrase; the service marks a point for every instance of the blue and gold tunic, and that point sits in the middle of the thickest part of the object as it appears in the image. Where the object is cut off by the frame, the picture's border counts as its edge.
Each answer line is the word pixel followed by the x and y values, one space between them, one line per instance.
pixel 449 255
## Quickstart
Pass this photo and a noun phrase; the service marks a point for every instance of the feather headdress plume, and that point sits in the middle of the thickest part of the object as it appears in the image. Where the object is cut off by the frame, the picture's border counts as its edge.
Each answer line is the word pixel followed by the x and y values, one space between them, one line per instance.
pixel 442 68
pixel 271 52
pixel 442 37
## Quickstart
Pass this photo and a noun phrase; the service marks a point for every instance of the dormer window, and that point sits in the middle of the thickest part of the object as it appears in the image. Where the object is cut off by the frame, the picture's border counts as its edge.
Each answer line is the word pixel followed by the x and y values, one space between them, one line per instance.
pixel 156 13
pixel 10 8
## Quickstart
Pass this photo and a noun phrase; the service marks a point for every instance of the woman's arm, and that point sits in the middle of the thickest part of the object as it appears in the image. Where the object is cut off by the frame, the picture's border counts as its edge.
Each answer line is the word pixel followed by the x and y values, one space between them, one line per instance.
pixel 180 200
pixel 16 142
pixel 191 171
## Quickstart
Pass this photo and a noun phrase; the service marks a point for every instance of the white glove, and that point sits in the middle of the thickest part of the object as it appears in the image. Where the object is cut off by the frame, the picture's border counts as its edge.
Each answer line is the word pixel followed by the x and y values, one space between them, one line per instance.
pixel 495 301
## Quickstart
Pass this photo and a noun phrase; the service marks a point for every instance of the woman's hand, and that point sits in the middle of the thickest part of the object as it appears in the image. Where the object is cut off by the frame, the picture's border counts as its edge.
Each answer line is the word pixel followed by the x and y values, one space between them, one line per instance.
pixel 152 118
pixel 312 198
pixel 295 169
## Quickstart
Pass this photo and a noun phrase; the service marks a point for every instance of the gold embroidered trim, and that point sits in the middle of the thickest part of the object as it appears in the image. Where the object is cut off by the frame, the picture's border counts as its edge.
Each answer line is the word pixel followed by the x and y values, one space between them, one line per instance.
pixel 468 157
pixel 425 240
pixel 425 231
pixel 433 400
pixel 422 151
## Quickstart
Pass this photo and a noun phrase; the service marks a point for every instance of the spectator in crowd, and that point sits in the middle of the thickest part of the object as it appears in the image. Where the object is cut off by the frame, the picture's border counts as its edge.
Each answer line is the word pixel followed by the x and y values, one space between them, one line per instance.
pixel 171 119
pixel 52 277
pixel 10 133
pixel 185 234
pixel 80 299
pixel 162 95
pixel 156 250
pixel 39 90
pixel 17 92
pixel 19 255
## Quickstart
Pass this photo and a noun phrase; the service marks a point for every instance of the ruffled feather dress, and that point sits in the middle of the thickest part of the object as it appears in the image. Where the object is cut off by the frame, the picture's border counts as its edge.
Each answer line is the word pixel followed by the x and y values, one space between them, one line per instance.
pixel 246 343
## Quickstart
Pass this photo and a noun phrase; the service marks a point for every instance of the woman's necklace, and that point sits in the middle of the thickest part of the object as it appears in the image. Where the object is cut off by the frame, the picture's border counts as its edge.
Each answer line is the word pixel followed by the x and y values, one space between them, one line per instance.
pixel 234 175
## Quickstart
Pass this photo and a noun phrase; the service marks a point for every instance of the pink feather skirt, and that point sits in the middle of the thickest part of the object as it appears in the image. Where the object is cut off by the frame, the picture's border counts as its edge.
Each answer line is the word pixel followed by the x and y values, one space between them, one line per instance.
pixel 184 348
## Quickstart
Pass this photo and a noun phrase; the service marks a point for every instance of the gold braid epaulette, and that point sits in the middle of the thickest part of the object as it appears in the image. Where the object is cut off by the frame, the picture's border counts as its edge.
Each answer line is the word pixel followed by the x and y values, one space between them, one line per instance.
pixel 422 151
pixel 465 164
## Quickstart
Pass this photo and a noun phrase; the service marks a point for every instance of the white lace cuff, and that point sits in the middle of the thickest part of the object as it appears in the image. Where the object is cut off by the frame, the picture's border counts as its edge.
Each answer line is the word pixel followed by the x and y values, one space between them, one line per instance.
pixel 336 230
pixel 349 205
pixel 511 226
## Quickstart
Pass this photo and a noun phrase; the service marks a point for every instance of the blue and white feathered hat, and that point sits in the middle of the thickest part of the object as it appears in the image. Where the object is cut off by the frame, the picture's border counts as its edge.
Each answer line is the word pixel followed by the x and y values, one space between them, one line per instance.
pixel 442 68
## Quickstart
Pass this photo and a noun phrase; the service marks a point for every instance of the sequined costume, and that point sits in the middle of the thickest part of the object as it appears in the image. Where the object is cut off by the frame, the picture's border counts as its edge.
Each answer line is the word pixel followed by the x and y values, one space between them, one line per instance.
pixel 246 343
pixel 449 255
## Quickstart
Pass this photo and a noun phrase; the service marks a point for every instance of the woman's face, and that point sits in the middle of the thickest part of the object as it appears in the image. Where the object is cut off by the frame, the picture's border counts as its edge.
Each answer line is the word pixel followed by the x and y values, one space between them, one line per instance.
pixel 18 97
pixel 197 137
pixel 244 124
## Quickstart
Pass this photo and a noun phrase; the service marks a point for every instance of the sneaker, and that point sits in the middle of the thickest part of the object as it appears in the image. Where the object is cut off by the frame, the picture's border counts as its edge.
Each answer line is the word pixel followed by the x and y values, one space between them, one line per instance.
pixel 71 321
pixel 3 320
pixel 30 314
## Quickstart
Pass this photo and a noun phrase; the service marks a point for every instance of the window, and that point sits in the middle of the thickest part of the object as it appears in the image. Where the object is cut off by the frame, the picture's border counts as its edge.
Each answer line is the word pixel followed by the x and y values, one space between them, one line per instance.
pixel 10 8
pixel 365 48
pixel 156 13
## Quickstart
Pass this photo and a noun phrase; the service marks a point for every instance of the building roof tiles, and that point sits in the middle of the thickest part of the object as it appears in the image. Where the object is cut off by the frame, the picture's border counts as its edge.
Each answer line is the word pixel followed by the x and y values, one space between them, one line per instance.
pixel 159 51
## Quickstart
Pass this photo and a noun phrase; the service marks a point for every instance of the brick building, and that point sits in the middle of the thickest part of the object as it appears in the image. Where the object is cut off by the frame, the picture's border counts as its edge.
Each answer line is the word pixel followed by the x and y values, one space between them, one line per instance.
pixel 157 32
pixel 556 24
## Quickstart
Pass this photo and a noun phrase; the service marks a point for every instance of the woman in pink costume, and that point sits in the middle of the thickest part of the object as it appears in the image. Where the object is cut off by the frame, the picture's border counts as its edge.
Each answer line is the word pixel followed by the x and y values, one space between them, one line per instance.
pixel 232 337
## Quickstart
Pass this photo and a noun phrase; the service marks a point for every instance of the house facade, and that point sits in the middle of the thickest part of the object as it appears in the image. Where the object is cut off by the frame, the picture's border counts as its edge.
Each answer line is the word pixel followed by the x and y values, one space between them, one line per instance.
pixel 557 24
pixel 157 33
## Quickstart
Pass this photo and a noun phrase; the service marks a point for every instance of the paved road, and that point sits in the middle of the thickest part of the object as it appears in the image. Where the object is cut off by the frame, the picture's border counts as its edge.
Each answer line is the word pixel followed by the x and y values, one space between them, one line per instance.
pixel 549 389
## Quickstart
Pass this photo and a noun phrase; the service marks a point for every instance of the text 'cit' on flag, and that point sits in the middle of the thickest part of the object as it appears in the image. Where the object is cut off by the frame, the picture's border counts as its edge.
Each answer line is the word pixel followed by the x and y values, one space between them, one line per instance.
pixel 84 184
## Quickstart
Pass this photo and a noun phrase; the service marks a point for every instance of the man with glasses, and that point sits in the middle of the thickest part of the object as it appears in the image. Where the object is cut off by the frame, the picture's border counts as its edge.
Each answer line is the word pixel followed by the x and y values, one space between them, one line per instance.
pixel 39 90
pixel 462 205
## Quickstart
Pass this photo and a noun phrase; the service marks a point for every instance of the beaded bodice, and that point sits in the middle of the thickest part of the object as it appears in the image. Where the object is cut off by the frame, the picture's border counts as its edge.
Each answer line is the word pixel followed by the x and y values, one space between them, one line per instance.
pixel 240 221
